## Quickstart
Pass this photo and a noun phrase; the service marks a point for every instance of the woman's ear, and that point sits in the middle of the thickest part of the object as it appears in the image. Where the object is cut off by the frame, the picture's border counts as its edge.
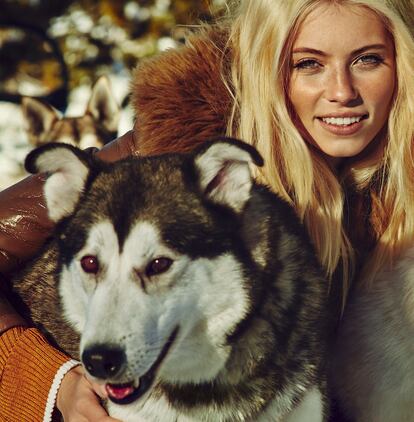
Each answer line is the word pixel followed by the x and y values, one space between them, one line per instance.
pixel 67 168
pixel 224 174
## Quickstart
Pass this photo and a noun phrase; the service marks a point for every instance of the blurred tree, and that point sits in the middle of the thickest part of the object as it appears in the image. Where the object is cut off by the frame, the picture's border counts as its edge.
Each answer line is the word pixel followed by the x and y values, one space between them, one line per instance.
pixel 47 46
pixel 32 11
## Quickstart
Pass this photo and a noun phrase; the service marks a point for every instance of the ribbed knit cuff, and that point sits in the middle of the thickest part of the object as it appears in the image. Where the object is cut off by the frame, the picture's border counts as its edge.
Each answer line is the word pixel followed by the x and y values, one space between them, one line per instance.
pixel 28 366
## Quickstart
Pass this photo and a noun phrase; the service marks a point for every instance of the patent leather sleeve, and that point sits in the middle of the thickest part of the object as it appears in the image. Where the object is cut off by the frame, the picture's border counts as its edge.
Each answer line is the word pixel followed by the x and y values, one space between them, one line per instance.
pixel 24 224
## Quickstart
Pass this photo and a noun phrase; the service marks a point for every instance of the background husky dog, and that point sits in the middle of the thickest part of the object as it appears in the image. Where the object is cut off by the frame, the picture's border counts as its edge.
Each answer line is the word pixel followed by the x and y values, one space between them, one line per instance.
pixel 95 128
pixel 373 371
pixel 195 291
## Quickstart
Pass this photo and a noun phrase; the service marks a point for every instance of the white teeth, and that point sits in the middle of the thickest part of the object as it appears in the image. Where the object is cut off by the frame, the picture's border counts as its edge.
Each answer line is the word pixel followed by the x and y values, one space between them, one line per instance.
pixel 341 121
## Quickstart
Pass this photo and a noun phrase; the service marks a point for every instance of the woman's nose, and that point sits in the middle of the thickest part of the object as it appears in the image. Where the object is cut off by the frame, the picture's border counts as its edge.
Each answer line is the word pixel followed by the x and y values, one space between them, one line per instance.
pixel 340 87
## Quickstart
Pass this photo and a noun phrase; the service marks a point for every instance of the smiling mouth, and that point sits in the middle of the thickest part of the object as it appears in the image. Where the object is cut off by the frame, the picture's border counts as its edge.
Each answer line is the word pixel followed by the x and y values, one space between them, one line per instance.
pixel 343 121
pixel 128 392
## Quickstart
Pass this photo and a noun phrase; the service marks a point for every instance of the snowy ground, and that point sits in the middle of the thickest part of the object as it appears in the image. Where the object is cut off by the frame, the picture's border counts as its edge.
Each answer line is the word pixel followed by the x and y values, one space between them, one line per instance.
pixel 13 144
pixel 13 140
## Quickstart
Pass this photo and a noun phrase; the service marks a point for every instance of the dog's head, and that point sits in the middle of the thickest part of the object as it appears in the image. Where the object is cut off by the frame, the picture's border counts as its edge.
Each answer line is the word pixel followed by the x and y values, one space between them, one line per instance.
pixel 95 128
pixel 150 267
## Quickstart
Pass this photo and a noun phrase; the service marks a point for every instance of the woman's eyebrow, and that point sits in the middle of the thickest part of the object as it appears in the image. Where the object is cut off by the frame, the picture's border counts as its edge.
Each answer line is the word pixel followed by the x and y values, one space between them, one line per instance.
pixel 309 50
pixel 369 47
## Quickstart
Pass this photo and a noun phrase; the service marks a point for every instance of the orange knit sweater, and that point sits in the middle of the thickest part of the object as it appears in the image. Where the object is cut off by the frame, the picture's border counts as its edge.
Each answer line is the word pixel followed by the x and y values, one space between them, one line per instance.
pixel 28 365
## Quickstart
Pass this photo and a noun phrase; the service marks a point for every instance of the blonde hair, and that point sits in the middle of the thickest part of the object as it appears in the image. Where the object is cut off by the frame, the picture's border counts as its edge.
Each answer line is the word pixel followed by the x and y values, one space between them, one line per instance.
pixel 261 37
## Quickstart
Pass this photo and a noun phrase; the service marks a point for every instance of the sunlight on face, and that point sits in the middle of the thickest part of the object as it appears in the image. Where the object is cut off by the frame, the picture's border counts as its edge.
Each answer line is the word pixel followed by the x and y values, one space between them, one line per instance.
pixel 342 78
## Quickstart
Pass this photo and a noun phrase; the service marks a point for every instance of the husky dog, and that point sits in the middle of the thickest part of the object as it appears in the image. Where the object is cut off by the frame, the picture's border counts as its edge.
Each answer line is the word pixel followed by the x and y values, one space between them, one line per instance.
pixel 95 128
pixel 193 292
pixel 373 371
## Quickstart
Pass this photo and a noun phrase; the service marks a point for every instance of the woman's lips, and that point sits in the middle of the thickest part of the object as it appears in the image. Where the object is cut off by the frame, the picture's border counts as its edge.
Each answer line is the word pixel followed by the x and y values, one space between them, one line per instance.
pixel 342 130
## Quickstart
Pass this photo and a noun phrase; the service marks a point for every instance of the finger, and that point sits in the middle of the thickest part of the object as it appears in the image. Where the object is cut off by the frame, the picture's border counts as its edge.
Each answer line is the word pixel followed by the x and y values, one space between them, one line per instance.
pixel 107 419
pixel 100 390
pixel 92 410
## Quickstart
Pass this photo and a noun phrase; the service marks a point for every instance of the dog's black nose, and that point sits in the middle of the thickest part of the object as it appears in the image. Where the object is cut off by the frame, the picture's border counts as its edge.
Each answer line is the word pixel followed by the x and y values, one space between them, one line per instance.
pixel 104 361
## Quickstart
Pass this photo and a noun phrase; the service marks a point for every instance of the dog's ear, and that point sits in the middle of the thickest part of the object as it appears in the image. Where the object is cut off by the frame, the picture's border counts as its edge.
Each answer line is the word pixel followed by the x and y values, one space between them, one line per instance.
pixel 223 167
pixel 67 168
pixel 103 106
pixel 39 116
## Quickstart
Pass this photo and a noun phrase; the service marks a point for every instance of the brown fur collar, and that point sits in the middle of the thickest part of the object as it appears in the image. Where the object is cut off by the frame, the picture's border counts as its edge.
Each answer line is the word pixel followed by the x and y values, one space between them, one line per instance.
pixel 179 97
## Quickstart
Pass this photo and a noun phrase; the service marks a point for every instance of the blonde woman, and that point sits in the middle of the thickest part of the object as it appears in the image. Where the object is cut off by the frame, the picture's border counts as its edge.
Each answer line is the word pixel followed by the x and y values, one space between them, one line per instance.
pixel 322 88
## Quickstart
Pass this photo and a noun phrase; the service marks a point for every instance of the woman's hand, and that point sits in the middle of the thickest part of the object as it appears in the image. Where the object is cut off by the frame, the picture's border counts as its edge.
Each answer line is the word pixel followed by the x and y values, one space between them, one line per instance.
pixel 77 401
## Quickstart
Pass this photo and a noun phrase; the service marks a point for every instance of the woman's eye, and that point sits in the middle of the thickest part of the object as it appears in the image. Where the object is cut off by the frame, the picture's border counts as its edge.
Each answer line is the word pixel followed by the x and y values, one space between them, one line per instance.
pixel 306 64
pixel 158 266
pixel 369 59
pixel 90 264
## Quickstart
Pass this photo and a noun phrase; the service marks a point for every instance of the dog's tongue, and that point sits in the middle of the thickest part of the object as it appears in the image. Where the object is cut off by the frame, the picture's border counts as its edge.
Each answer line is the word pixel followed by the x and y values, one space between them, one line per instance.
pixel 119 391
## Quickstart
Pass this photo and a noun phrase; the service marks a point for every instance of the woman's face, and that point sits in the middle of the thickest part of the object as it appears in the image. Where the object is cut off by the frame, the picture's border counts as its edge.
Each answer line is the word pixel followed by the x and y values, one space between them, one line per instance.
pixel 342 78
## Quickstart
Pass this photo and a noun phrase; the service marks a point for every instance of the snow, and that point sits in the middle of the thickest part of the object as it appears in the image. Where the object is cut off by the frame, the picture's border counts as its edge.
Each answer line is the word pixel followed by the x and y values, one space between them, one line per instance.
pixel 14 145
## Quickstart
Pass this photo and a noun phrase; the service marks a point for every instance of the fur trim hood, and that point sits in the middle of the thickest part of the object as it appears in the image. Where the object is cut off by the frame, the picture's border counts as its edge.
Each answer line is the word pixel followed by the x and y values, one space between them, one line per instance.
pixel 179 96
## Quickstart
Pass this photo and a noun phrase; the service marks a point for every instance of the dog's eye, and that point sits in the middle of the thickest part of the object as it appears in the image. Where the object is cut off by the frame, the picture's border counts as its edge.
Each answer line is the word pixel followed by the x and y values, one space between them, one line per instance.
pixel 158 266
pixel 90 264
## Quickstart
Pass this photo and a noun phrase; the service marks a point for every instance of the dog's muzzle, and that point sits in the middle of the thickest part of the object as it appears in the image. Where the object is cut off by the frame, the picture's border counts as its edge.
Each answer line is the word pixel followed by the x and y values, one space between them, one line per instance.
pixel 108 362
